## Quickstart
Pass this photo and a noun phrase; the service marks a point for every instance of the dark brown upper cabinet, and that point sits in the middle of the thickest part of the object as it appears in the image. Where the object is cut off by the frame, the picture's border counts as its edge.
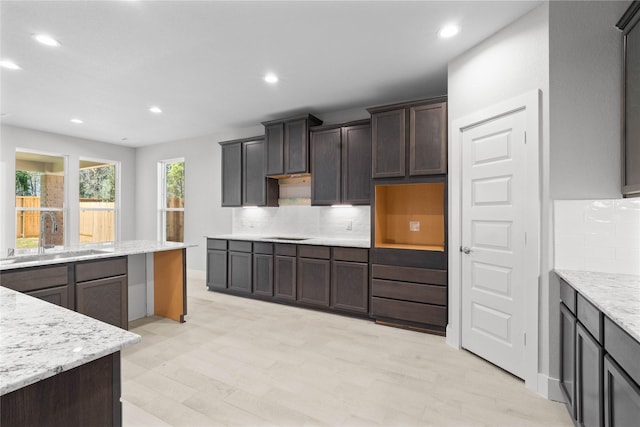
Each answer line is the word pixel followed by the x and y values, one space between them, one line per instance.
pixel 631 101
pixel 341 164
pixel 287 144
pixel 409 139
pixel 244 181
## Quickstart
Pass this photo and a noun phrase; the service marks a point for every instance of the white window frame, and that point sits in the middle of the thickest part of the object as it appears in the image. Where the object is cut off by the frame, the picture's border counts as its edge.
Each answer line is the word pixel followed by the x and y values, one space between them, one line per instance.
pixel 116 209
pixel 162 197
pixel 63 209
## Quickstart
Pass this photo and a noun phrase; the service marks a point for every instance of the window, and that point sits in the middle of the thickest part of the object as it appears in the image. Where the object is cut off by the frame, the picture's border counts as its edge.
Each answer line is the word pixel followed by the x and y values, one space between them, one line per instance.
pixel 40 201
pixel 172 200
pixel 98 201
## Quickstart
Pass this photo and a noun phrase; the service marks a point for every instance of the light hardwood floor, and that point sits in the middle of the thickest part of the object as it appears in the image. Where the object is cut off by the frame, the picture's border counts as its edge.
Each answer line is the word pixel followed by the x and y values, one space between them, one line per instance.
pixel 241 362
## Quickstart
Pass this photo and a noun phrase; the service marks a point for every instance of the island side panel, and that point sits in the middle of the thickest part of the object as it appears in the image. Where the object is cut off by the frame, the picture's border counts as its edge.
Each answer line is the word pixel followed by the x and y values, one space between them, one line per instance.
pixel 88 395
pixel 170 284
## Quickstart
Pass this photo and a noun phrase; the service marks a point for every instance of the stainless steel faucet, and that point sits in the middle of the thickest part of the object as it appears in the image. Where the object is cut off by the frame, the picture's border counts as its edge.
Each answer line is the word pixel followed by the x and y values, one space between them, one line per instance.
pixel 54 229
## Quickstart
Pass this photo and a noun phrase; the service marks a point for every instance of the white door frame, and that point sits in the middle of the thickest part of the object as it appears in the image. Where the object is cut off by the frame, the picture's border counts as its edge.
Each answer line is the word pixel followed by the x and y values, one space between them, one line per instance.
pixel 530 103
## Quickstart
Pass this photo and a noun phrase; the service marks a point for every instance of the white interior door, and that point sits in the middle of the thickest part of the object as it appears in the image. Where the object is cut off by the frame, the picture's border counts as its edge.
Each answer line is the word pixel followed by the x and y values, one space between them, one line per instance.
pixel 494 198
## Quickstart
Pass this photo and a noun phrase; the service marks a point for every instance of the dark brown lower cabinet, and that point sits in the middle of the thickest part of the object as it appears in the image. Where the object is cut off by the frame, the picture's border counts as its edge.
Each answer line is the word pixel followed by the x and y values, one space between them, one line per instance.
pixel 567 357
pixel 621 396
pixel 216 269
pixel 240 271
pixel 350 286
pixel 285 278
pixel 88 395
pixel 263 275
pixel 589 376
pixel 314 281
pixel 104 299
pixel 58 295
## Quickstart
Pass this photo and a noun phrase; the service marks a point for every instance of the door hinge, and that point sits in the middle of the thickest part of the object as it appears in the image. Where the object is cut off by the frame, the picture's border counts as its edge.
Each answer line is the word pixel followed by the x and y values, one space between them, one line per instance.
pixel 525 137
pixel 525 239
pixel 525 339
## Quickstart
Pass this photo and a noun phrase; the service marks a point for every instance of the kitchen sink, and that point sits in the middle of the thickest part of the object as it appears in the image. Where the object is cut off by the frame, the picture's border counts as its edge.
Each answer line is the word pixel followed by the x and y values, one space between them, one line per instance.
pixel 294 239
pixel 51 256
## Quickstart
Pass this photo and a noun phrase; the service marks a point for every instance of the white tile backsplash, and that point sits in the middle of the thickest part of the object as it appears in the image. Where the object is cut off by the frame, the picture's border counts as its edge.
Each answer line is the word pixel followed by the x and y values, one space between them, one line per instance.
pixel 307 221
pixel 597 235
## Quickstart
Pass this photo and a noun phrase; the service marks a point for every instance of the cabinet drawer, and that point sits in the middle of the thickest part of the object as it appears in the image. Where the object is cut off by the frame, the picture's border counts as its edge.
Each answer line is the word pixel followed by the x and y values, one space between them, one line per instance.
pixel 410 274
pixel 100 269
pixel 320 252
pixel 590 317
pixel 263 248
pixel 409 311
pixel 568 296
pixel 285 249
pixel 239 246
pixel 351 254
pixel 217 244
pixel 34 278
pixel 623 348
pixel 409 291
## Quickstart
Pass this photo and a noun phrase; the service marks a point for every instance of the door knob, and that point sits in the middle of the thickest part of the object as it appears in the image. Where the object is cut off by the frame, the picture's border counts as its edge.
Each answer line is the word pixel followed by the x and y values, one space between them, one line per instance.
pixel 465 250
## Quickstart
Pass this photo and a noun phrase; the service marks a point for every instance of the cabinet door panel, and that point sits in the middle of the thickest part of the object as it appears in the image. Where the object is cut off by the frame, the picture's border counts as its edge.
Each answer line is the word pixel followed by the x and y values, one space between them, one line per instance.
pixel 232 175
pixel 216 269
pixel 325 167
pixel 274 137
pixel 263 274
pixel 589 376
pixel 253 185
pixel 622 396
pixel 350 286
pixel 388 138
pixel 567 357
pixel 314 280
pixel 285 278
pixel 427 140
pixel 296 142
pixel 58 296
pixel 356 165
pixel 104 299
pixel 240 271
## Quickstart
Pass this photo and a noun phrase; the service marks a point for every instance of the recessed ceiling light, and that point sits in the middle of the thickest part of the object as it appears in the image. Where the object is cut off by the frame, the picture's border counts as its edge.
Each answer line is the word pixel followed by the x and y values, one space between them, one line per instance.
pixel 155 110
pixel 9 64
pixel 46 39
pixel 271 78
pixel 77 121
pixel 448 31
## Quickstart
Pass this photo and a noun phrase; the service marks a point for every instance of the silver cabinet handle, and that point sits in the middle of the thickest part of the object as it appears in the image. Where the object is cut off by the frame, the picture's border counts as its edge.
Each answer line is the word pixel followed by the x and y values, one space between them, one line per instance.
pixel 465 250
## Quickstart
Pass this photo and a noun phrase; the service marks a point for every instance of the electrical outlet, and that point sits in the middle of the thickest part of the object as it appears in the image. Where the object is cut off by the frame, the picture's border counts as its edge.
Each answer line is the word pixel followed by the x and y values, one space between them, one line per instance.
pixel 414 225
pixel 349 225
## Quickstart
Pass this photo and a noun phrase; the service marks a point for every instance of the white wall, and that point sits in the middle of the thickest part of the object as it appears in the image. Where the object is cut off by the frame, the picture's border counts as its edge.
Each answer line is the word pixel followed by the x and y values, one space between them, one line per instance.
pixel 203 214
pixel 585 75
pixel 510 63
pixel 13 138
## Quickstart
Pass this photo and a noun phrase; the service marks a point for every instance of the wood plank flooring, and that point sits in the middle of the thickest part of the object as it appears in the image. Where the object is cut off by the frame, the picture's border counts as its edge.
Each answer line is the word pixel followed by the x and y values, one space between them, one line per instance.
pixel 240 362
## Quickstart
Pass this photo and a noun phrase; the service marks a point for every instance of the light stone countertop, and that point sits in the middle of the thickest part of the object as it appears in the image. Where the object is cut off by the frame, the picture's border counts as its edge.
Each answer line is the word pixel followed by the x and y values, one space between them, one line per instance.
pixel 308 240
pixel 40 340
pixel 90 251
pixel 617 296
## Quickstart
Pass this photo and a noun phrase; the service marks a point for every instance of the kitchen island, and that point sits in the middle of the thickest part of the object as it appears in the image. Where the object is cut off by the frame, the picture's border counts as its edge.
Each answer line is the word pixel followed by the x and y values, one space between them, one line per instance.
pixel 114 282
pixel 57 367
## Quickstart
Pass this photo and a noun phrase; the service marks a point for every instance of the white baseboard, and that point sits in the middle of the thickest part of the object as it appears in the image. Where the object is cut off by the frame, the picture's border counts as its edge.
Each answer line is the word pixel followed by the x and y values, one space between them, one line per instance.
pixel 196 274
pixel 549 388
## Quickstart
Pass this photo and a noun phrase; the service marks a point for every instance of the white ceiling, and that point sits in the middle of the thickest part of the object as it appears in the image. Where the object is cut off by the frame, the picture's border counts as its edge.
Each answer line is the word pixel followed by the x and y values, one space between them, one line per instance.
pixel 203 62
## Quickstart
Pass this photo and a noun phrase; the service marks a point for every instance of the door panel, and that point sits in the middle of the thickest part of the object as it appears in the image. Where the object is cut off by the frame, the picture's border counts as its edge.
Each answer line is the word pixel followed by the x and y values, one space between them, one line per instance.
pixel 493 195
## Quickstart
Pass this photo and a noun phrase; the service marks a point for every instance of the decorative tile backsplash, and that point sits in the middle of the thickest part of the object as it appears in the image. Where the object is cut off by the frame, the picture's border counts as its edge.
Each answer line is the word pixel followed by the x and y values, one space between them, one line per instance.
pixel 308 221
pixel 598 235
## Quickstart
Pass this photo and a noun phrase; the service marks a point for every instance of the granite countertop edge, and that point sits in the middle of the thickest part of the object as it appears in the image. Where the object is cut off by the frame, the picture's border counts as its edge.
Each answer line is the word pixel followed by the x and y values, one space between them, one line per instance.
pixel 109 250
pixel 317 241
pixel 617 296
pixel 40 340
